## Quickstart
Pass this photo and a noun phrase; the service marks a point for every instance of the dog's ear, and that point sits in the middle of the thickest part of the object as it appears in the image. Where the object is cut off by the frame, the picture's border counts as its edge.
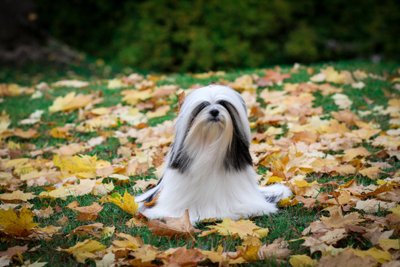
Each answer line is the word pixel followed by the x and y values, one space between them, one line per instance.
pixel 181 98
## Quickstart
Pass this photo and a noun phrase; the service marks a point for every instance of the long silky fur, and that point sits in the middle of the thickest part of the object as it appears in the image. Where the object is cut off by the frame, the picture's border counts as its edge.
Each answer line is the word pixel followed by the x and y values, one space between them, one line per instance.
pixel 209 168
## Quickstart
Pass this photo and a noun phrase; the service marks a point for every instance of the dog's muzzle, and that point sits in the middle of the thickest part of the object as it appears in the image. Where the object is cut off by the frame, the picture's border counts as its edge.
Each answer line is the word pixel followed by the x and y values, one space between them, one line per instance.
pixel 214 115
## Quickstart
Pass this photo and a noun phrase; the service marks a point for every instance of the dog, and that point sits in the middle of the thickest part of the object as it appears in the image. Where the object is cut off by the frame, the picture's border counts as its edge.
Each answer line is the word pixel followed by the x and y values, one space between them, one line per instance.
pixel 209 169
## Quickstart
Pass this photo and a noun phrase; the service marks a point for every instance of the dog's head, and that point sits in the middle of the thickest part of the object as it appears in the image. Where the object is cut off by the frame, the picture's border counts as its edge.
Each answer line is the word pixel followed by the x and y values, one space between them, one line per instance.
pixel 213 120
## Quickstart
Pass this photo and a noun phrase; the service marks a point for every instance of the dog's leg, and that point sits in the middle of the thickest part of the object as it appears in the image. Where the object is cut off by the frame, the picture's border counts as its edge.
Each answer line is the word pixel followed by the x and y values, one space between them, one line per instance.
pixel 275 193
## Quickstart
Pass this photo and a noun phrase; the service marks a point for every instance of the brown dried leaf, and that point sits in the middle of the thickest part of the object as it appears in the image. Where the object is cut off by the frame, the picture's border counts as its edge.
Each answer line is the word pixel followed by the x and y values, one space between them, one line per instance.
pixel 337 220
pixel 86 213
pixel 184 257
pixel 173 227
pixel 278 249
pixel 346 259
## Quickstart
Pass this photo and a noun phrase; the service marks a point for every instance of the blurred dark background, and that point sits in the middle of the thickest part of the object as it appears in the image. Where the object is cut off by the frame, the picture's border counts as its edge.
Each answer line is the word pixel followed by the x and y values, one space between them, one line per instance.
pixel 198 35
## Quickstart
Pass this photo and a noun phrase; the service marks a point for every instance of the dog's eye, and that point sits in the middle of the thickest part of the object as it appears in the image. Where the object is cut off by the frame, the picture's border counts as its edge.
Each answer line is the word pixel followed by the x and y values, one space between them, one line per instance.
pixel 228 106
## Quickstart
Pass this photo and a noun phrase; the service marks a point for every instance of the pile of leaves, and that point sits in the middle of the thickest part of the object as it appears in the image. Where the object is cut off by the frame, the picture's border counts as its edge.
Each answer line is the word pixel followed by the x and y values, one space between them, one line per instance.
pixel 75 152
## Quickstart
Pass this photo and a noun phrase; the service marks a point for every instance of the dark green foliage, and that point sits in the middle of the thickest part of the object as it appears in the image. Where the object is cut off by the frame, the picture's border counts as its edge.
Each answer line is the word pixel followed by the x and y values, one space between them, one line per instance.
pixel 220 34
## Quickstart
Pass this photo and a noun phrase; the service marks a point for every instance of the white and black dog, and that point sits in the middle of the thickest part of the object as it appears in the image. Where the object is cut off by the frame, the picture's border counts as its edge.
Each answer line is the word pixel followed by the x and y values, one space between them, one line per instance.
pixel 209 168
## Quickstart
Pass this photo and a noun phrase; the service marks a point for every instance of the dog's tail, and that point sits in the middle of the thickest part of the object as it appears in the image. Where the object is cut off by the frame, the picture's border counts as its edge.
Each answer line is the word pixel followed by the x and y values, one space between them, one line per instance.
pixel 276 192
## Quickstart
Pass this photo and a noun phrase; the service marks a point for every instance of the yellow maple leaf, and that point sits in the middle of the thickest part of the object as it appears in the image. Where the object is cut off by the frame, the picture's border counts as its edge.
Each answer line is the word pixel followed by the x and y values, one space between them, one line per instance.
pixel 115 84
pixel 126 242
pixel 396 210
pixel 379 255
pixel 241 228
pixel 83 188
pixel 82 166
pixel 88 249
pixel 250 248
pixel 387 244
pixel 274 179
pixel 302 261
pixel 288 202
pixel 17 224
pixel 334 76
pixel 126 203
pixel 371 172
pixel 303 183
pixel 132 97
pixel 70 102
pixel 352 153
pixel 159 112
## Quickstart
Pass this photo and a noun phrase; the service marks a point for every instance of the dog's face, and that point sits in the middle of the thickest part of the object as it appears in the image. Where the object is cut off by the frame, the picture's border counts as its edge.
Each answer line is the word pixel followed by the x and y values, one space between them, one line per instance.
pixel 213 120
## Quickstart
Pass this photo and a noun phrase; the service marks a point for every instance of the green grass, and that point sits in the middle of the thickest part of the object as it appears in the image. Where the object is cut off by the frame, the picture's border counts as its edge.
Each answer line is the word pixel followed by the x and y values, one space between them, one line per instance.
pixel 288 223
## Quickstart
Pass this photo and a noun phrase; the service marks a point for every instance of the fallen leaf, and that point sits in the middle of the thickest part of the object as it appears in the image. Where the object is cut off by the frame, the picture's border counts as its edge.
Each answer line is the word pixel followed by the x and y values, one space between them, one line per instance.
pixel 45 232
pixel 71 102
pixel 12 251
pixel 126 203
pixel 278 249
pixel 373 205
pixel 17 224
pixel 70 83
pixel 333 236
pixel 371 172
pixel 126 242
pixel 132 97
pixel 302 261
pixel 333 76
pixel 223 258
pixel 95 229
pixel 84 187
pixel 28 134
pixel 184 257
pixel 4 261
pixel 350 154
pixel 88 213
pixel 44 212
pixel 144 255
pixel 60 132
pixel 346 258
pixel 173 227
pixel 108 260
pixel 388 244
pixel 337 220
pixel 379 255
pixel 88 249
pixel 33 118
pixel 16 196
pixel 318 78
pixel 240 228
pixel 249 248
pixel 396 210
pixel 82 166
pixel 159 112
pixel 342 101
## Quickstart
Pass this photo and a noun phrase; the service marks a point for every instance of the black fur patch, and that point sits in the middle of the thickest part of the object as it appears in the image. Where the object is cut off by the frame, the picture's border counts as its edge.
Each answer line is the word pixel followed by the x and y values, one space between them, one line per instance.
pixel 196 112
pixel 238 155
pixel 179 158
pixel 180 161
pixel 151 197
pixel 272 199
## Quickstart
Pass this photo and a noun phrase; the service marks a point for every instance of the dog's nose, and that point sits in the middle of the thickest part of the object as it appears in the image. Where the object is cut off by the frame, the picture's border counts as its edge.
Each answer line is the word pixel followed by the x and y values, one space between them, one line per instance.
pixel 214 112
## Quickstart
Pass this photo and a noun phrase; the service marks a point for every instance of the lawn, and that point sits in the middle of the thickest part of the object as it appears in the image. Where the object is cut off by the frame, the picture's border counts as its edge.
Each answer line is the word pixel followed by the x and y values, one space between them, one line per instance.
pixel 76 146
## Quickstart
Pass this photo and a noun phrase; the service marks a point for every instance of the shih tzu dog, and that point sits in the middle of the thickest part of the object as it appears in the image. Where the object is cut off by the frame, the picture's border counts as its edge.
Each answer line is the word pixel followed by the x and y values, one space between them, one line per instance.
pixel 209 168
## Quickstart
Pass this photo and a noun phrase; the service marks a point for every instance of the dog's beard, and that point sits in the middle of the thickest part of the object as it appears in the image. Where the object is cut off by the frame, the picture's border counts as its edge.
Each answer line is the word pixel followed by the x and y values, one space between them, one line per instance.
pixel 208 140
